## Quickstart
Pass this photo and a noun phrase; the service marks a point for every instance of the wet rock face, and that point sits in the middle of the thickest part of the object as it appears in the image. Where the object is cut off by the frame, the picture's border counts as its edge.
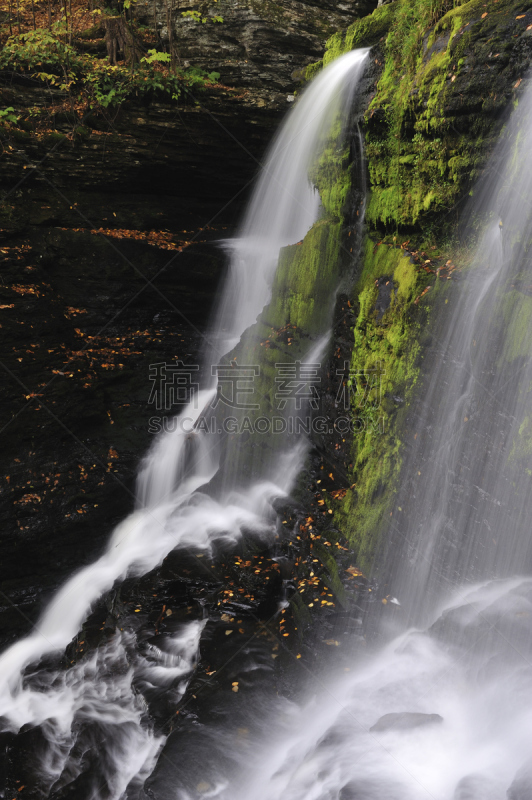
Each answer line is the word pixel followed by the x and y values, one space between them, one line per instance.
pixel 261 43
pixel 521 788
pixel 110 233
pixel 111 263
pixel 476 787
pixel 405 720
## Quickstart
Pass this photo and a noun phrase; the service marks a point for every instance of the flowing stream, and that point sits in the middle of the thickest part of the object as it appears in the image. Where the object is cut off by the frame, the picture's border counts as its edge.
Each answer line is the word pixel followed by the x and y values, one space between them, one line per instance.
pixel 95 712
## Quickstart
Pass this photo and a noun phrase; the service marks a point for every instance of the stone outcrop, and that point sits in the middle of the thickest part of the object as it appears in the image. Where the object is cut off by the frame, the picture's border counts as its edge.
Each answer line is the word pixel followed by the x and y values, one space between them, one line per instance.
pixel 260 45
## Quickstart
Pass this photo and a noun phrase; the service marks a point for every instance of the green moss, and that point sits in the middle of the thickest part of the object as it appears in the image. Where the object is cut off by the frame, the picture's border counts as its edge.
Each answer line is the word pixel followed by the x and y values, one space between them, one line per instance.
pixel 309 271
pixel 94 32
pixel 522 444
pixel 82 132
pixel 420 163
pixel 306 274
pixel 362 33
pixel 407 279
pixel 385 356
pixel 53 138
pixel 423 154
pixel 313 69
pixel 516 310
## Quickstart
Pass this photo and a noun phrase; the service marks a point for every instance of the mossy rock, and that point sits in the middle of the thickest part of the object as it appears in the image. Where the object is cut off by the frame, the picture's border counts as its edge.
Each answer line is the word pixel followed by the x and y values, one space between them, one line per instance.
pixel 94 32
pixel 81 132
pixel 385 362
pixel 446 76
pixel 54 138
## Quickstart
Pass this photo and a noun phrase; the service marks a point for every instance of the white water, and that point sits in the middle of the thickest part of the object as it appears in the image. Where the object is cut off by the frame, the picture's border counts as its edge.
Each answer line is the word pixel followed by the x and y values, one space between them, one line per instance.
pixel 464 514
pixel 173 512
pixel 326 749
pixel 100 695
pixel 284 204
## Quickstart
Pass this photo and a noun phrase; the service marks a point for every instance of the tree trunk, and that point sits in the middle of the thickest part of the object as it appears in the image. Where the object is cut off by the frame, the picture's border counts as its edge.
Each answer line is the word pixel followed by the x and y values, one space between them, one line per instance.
pixel 170 24
pixel 120 39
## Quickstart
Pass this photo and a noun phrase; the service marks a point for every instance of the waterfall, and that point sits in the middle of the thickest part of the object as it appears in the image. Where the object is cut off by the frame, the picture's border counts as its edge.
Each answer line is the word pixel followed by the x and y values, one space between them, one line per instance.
pixel 284 204
pixel 95 709
pixel 467 511
pixel 443 709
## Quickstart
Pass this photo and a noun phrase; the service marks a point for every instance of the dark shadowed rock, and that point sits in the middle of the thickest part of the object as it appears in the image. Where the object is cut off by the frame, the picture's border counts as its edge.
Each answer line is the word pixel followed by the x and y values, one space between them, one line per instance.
pixel 262 46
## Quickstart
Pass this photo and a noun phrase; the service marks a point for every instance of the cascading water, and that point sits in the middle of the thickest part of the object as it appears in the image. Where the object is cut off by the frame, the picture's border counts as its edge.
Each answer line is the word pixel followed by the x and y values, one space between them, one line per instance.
pixel 98 703
pixel 284 204
pixel 444 711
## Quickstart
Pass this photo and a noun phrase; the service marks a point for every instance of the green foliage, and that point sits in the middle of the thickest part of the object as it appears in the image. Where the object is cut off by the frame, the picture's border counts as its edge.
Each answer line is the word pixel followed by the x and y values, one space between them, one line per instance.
pixel 8 115
pixel 154 56
pixel 36 48
pixel 196 16
pixel 49 59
